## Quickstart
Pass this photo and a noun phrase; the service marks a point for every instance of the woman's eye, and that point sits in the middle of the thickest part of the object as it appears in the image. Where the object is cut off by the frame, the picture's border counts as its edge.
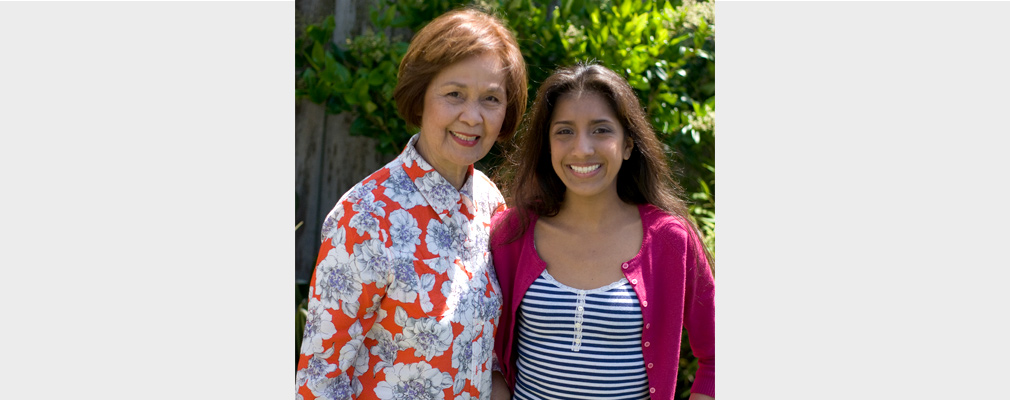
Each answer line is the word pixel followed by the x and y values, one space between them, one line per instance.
pixel 563 132
pixel 454 94
pixel 602 129
pixel 493 99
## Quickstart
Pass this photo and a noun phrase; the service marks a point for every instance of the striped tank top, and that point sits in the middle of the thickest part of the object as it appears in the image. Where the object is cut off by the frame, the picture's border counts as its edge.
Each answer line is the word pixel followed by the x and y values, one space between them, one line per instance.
pixel 580 344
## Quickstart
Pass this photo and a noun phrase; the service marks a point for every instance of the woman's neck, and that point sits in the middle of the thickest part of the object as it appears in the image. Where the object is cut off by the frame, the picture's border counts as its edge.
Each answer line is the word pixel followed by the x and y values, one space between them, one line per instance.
pixel 596 214
pixel 456 175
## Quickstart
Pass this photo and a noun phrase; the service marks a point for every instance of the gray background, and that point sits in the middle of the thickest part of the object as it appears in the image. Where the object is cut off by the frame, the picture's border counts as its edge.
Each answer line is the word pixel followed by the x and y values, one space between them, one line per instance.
pixel 146 152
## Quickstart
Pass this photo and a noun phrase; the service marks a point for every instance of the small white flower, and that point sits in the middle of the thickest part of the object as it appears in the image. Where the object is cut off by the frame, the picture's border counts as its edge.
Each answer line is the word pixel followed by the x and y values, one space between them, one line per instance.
pixel 336 388
pixel 331 225
pixel 366 209
pixel 316 369
pixel 441 264
pixel 427 284
pixel 418 381
pixel 318 327
pixel 426 336
pixel 385 348
pixel 441 195
pixel 401 189
pixel 404 232
pixel 338 280
pixel 405 284
pixel 372 260
pixel 445 239
pixel 354 353
pixel 359 191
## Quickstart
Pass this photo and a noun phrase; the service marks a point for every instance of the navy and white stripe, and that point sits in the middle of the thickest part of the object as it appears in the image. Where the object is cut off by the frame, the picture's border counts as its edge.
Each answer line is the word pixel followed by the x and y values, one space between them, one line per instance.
pixel 580 344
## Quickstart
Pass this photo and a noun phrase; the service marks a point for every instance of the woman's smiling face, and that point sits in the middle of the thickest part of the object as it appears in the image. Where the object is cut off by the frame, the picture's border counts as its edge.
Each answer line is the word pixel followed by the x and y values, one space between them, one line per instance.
pixel 464 107
pixel 588 144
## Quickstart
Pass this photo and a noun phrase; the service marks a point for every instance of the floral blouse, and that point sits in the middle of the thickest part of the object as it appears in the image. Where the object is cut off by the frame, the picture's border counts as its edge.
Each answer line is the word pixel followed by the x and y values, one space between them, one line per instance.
pixel 403 302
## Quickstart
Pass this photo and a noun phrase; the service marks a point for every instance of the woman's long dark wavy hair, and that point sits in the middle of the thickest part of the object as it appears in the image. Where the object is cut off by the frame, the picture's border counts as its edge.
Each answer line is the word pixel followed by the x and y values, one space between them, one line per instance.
pixel 529 181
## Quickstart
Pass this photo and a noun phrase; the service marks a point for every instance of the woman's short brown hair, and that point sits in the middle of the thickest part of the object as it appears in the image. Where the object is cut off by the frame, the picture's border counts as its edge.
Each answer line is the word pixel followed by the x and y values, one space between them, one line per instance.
pixel 452 37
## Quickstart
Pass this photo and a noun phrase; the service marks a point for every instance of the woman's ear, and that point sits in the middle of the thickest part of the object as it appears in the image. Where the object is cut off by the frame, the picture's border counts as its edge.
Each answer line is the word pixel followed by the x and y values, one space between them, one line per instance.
pixel 629 144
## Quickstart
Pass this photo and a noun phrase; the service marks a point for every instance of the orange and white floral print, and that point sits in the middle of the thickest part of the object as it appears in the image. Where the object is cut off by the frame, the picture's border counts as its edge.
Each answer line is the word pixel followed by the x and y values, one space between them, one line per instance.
pixel 403 302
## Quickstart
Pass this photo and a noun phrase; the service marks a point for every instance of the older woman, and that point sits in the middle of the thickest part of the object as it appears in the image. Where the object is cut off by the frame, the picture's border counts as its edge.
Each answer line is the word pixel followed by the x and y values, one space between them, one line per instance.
pixel 403 302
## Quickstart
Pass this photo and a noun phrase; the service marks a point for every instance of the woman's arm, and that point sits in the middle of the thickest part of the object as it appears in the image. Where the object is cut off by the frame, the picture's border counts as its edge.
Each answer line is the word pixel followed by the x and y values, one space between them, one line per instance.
pixel 343 297
pixel 500 389
pixel 699 316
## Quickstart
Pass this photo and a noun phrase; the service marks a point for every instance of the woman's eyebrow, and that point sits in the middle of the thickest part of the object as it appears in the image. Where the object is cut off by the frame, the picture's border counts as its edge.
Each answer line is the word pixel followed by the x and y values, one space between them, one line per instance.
pixel 493 88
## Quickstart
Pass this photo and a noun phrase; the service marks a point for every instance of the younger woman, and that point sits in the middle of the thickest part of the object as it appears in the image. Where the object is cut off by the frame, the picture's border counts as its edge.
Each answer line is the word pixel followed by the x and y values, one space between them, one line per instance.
pixel 599 266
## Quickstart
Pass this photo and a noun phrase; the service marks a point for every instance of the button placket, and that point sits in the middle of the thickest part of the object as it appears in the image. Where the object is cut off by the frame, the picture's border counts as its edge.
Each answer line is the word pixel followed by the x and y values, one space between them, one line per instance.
pixel 580 309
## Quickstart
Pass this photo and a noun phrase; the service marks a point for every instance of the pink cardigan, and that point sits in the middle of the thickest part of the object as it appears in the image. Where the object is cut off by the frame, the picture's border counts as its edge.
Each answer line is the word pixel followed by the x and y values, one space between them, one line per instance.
pixel 674 290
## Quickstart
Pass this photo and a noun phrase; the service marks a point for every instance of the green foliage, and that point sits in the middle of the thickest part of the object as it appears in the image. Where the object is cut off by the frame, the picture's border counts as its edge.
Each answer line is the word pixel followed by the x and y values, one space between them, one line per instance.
pixel 666 50
pixel 358 77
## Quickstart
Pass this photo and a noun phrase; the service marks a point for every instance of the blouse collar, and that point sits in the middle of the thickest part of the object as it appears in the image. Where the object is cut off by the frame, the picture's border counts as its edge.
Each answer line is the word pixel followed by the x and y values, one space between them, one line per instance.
pixel 436 190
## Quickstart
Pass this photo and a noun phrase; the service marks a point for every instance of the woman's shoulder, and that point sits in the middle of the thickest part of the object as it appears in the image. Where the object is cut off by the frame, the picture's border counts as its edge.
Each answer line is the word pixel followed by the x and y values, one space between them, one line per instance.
pixel 506 224
pixel 663 223
pixel 485 187
pixel 364 187
pixel 506 220
pixel 480 178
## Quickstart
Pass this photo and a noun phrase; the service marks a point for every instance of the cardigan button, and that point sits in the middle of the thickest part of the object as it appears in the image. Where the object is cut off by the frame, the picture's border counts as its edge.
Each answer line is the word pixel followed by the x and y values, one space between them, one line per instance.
pixel 634 281
pixel 650 365
pixel 652 390
pixel 646 344
pixel 625 265
pixel 645 303
pixel 647 326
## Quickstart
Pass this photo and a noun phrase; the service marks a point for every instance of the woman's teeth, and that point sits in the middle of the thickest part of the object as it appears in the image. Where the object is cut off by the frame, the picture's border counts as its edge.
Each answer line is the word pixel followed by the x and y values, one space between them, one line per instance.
pixel 466 138
pixel 585 170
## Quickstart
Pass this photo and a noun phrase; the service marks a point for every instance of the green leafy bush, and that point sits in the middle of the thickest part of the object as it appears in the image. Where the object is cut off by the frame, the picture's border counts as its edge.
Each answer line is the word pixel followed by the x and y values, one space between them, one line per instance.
pixel 358 76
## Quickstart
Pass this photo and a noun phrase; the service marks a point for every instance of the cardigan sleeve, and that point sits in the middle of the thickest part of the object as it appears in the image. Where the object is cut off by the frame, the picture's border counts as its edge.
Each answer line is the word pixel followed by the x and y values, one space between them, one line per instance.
pixel 699 314
pixel 505 256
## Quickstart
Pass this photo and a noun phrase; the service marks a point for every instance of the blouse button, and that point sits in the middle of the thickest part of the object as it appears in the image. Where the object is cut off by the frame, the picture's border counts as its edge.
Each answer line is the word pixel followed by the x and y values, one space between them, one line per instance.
pixel 625 265
pixel 650 365
pixel 634 281
pixel 646 344
pixel 652 390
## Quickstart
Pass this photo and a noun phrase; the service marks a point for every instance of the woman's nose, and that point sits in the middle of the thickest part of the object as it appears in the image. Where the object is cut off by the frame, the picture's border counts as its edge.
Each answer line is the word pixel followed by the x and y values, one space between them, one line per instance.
pixel 471 114
pixel 583 144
